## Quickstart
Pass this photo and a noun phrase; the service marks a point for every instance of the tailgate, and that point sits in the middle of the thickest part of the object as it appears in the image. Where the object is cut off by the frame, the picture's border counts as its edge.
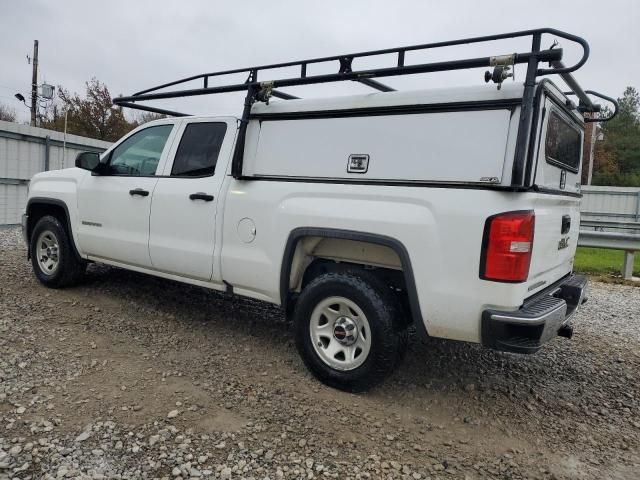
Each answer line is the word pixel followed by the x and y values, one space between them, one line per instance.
pixel 555 239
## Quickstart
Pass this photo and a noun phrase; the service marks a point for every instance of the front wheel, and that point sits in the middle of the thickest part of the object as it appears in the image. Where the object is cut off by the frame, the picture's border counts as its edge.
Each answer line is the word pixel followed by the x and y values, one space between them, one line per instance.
pixel 346 330
pixel 52 256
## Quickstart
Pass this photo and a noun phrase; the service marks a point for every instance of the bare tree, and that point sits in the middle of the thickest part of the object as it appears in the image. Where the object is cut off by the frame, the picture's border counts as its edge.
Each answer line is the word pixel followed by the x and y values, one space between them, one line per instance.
pixel 7 114
pixel 93 116
pixel 145 117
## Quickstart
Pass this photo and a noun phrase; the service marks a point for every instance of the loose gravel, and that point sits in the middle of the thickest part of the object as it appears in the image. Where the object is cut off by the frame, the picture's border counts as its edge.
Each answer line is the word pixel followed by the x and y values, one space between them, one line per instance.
pixel 10 236
pixel 128 376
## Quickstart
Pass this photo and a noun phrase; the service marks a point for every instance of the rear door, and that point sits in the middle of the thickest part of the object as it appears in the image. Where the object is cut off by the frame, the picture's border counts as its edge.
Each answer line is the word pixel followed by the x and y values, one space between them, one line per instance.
pixel 557 206
pixel 182 230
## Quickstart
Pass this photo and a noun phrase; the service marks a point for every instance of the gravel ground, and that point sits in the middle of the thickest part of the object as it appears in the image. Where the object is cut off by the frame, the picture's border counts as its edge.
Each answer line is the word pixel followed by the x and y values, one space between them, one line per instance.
pixel 10 236
pixel 130 376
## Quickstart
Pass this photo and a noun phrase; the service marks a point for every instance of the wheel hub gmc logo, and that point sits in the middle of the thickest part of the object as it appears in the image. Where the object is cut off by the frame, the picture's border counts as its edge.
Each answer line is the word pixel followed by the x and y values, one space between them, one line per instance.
pixel 339 332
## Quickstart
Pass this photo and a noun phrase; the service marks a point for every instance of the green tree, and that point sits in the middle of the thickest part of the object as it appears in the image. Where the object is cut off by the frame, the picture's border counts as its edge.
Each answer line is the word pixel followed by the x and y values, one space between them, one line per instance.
pixel 617 157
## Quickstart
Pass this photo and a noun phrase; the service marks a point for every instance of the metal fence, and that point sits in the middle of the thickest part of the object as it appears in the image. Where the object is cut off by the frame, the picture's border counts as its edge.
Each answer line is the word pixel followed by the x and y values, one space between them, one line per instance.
pixel 25 151
pixel 610 218
pixel 619 204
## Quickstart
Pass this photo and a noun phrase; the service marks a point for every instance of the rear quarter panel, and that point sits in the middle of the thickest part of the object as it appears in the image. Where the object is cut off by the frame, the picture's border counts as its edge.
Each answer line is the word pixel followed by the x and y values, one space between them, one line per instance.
pixel 441 228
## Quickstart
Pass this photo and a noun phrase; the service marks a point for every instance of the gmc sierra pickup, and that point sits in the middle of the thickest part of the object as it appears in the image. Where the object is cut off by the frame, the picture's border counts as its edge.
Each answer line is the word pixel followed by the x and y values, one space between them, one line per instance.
pixel 452 210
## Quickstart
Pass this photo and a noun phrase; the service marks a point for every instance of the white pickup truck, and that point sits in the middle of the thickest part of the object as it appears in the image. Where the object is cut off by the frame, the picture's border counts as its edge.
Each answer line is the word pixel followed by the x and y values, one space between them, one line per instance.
pixel 453 210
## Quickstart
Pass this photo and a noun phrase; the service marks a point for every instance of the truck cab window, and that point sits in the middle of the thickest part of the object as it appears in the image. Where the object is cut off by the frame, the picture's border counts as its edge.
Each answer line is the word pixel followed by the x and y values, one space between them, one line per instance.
pixel 139 154
pixel 198 152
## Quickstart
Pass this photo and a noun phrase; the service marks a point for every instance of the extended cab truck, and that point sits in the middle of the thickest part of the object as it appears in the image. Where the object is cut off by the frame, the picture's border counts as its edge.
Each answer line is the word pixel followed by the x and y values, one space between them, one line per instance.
pixel 455 210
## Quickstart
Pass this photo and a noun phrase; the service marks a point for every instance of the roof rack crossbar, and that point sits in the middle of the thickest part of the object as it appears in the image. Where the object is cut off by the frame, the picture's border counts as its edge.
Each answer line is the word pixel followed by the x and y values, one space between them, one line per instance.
pixel 375 84
pixel 283 95
pixel 147 108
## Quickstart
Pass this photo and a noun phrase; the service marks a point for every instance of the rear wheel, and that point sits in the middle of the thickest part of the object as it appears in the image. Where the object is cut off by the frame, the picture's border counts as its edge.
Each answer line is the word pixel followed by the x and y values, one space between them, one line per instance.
pixel 52 256
pixel 347 331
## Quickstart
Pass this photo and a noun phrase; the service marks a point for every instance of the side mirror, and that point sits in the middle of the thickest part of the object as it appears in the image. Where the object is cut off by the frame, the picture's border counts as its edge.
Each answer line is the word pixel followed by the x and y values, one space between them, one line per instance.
pixel 88 160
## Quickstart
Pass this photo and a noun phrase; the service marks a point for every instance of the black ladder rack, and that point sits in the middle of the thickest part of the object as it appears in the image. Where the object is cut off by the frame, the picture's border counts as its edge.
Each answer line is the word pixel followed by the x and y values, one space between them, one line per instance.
pixel 261 90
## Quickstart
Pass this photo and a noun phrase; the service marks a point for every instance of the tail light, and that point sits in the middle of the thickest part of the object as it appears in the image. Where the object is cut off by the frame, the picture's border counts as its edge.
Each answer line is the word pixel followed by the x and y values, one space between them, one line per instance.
pixel 506 247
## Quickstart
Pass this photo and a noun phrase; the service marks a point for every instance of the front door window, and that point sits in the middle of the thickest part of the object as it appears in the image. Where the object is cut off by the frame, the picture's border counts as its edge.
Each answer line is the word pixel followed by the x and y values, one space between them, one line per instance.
pixel 139 154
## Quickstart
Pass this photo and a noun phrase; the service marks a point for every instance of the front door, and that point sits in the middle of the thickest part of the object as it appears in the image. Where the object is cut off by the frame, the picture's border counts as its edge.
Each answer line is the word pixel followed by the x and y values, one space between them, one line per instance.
pixel 114 206
pixel 186 199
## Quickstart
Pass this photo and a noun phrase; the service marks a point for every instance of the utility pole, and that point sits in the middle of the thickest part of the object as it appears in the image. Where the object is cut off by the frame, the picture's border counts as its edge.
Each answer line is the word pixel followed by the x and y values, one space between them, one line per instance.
pixel 34 85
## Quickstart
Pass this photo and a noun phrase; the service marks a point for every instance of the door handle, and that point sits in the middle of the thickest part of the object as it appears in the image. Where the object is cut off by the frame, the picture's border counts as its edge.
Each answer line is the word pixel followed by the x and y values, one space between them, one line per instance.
pixel 201 196
pixel 139 191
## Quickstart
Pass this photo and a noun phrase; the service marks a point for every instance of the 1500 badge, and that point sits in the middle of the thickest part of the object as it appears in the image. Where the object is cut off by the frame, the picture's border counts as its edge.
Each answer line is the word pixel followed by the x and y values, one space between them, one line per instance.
pixel 563 243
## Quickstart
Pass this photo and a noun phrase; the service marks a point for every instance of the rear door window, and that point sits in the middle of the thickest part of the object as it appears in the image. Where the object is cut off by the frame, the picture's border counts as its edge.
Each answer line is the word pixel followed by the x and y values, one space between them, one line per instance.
pixel 198 151
pixel 563 143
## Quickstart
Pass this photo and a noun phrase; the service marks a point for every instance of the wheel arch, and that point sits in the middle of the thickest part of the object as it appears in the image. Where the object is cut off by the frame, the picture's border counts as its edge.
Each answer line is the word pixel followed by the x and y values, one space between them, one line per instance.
pixel 372 238
pixel 37 207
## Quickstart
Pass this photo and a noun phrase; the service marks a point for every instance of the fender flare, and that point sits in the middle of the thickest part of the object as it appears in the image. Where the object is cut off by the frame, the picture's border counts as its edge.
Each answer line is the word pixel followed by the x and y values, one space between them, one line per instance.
pixel 397 246
pixel 67 221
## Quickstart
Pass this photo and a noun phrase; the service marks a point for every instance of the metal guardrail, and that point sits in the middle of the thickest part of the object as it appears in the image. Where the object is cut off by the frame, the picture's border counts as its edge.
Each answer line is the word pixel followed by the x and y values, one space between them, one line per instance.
pixel 601 225
pixel 613 240
pixel 632 216
pixel 629 242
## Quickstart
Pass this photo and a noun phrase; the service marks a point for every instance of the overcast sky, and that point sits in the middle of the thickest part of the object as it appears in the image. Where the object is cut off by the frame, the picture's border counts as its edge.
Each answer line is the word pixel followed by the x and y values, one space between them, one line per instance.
pixel 131 45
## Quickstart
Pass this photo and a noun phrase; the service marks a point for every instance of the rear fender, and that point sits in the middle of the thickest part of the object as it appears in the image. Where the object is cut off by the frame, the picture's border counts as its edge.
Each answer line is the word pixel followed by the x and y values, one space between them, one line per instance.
pixel 296 235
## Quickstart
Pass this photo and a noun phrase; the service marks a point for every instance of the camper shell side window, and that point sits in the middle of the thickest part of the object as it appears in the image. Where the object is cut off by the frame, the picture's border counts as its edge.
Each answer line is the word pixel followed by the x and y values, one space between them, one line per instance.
pixel 563 143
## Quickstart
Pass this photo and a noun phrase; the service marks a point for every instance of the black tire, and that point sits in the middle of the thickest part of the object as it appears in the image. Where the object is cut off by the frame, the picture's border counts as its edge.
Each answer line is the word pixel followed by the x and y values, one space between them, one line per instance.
pixel 69 269
pixel 379 305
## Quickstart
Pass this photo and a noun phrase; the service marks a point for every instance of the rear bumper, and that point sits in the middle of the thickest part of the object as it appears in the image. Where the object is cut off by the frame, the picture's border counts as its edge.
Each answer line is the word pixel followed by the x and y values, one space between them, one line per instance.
pixel 540 318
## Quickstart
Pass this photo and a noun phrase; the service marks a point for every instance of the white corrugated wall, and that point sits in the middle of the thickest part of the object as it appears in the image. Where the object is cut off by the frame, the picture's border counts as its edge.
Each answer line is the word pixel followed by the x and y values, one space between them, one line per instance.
pixel 23 154
pixel 610 203
pixel 13 198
